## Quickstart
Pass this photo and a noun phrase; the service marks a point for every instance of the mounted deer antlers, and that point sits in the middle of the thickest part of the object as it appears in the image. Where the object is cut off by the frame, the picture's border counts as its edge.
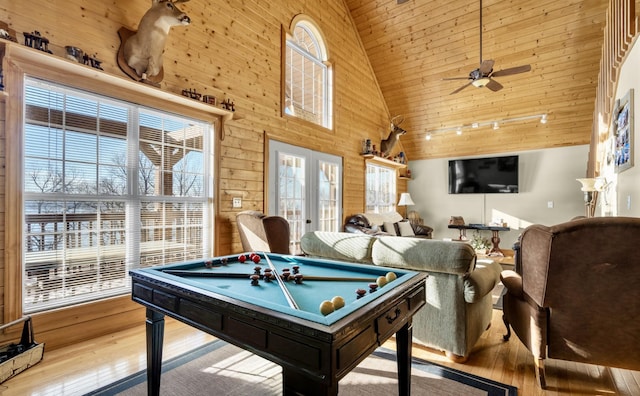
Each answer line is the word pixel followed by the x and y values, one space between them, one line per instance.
pixel 387 145
pixel 142 51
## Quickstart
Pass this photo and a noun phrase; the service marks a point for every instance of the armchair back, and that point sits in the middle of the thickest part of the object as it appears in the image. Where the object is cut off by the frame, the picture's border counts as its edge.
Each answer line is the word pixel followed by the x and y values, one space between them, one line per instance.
pixel 577 297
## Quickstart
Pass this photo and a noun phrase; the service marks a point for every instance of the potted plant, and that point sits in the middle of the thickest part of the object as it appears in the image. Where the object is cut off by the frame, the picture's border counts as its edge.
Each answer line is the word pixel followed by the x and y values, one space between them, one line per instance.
pixel 479 244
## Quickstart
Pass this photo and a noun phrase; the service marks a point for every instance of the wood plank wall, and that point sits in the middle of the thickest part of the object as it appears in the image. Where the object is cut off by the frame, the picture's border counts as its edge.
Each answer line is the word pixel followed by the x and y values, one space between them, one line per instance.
pixel 231 50
pixel 620 31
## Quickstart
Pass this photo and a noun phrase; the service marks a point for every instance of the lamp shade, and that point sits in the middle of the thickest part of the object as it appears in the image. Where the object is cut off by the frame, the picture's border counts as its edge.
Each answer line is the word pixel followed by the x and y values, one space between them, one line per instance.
pixel 592 184
pixel 405 200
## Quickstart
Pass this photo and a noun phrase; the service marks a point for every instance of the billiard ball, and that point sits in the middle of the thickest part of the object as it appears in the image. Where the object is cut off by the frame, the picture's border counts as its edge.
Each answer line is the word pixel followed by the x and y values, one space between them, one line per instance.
pixel 338 302
pixel 326 307
pixel 381 281
pixel 391 276
pixel 242 258
pixel 256 259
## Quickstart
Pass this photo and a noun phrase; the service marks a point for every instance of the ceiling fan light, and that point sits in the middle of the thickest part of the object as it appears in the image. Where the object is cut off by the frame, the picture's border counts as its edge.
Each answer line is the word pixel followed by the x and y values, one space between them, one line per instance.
pixel 481 82
pixel 543 119
pixel 496 125
pixel 459 131
pixel 428 136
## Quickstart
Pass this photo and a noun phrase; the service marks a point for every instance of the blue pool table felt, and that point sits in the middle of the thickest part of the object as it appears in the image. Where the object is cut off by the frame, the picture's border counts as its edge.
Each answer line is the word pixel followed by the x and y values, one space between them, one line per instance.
pixel 308 295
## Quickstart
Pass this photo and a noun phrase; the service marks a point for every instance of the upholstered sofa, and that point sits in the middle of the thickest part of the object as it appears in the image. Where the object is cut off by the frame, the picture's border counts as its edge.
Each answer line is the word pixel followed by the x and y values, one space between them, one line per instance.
pixel 575 295
pixel 390 223
pixel 459 303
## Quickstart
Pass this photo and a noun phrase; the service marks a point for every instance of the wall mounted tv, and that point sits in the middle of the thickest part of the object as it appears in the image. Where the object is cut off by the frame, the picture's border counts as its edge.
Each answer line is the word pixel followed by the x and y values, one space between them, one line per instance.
pixel 484 175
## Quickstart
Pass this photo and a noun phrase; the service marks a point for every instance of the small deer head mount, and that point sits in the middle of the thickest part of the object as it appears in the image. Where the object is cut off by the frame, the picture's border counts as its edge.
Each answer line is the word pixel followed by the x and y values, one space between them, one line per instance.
pixel 387 145
pixel 143 50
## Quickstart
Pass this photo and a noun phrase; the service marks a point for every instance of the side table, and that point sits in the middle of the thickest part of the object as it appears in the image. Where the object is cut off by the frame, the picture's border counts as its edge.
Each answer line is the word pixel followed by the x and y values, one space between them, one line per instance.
pixel 495 235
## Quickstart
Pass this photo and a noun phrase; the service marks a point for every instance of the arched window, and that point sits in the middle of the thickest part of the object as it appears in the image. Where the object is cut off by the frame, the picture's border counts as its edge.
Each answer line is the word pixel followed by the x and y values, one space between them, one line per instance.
pixel 307 87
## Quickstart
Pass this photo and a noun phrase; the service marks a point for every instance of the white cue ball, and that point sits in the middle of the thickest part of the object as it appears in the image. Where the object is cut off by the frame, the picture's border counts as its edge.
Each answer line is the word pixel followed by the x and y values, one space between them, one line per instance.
pixel 338 302
pixel 326 307
pixel 391 276
pixel 381 281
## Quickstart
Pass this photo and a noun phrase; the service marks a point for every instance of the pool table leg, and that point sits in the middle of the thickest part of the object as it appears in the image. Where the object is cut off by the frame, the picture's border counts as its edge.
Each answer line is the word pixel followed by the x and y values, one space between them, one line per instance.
pixel 403 347
pixel 155 336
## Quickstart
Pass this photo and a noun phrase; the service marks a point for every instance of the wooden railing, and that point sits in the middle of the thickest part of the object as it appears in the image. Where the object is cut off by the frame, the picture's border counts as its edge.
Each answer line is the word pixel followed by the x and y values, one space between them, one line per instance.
pixel 74 252
pixel 621 28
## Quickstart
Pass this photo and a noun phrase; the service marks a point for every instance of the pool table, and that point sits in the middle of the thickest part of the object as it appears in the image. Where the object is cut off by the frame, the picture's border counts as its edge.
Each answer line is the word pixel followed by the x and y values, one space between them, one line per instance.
pixel 269 304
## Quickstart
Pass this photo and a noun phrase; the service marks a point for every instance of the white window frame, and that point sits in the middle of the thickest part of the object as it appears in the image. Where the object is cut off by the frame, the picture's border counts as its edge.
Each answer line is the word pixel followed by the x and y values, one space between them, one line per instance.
pixel 172 235
pixel 307 90
pixel 380 188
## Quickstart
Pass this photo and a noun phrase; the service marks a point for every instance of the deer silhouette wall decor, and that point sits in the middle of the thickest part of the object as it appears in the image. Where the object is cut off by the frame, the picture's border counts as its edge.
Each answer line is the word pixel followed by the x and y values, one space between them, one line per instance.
pixel 387 145
pixel 140 54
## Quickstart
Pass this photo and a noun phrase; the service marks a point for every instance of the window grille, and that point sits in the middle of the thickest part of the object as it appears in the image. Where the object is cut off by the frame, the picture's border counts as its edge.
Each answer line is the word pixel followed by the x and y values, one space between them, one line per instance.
pixel 108 186
pixel 307 76
pixel 380 189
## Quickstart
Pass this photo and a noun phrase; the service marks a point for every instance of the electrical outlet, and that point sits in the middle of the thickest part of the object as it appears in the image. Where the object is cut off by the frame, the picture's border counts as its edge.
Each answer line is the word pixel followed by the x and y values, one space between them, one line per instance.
pixel 237 202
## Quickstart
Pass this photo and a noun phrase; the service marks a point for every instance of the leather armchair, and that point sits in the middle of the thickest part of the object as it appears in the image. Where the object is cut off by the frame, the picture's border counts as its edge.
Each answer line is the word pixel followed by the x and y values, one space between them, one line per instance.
pixel 359 223
pixel 576 297
pixel 262 233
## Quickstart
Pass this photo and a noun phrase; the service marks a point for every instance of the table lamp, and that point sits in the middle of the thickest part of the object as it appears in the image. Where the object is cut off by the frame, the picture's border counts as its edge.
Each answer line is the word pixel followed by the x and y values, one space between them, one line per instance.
pixel 405 200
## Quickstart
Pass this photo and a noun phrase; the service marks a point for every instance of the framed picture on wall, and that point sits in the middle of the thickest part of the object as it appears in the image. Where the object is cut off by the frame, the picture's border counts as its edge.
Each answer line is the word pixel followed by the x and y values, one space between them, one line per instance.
pixel 622 129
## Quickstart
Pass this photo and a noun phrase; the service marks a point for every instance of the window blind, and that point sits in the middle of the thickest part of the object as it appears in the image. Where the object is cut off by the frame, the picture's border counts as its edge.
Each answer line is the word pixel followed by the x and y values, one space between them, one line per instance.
pixel 108 186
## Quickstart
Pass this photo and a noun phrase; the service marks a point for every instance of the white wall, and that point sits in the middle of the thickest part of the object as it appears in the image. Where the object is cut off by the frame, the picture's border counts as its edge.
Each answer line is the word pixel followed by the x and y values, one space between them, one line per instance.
pixel 624 194
pixel 545 175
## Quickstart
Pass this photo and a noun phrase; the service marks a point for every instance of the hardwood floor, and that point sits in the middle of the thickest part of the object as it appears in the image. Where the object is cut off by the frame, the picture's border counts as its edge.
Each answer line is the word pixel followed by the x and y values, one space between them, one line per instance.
pixel 92 364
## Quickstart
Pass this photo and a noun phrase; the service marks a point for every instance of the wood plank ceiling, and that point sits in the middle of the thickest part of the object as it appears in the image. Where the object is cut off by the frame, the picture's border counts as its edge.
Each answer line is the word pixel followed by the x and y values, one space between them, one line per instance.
pixel 414 45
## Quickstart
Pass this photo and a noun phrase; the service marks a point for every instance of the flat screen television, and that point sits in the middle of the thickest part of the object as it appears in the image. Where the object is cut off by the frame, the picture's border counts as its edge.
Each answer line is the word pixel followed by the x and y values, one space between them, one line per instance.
pixel 493 175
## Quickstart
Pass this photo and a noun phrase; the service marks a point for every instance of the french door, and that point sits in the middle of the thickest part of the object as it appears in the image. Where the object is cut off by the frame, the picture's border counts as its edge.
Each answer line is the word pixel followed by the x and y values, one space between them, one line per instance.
pixel 305 187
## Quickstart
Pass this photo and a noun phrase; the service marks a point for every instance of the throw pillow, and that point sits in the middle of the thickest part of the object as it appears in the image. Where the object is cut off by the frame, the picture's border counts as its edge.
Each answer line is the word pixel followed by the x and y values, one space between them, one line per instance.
pixel 405 229
pixel 390 228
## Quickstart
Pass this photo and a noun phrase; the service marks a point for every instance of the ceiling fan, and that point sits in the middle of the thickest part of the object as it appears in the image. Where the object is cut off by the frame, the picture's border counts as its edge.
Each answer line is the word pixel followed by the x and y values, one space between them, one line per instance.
pixel 483 76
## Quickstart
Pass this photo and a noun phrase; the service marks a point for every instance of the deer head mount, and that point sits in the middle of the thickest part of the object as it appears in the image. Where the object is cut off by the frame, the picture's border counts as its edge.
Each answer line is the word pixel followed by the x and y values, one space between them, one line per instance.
pixel 387 145
pixel 142 50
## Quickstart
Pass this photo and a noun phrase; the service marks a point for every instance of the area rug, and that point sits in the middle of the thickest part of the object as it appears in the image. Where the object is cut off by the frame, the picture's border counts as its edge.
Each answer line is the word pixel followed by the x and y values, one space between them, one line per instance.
pixel 219 368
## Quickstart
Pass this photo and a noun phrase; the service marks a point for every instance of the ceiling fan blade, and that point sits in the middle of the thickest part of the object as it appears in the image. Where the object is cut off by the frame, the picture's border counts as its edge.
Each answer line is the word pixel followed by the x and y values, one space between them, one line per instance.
pixel 512 70
pixel 494 85
pixel 461 88
pixel 486 66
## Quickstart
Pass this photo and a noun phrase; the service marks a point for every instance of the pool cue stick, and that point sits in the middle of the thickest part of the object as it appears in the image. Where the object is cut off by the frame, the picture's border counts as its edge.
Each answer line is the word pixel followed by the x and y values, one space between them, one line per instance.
pixel 283 287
